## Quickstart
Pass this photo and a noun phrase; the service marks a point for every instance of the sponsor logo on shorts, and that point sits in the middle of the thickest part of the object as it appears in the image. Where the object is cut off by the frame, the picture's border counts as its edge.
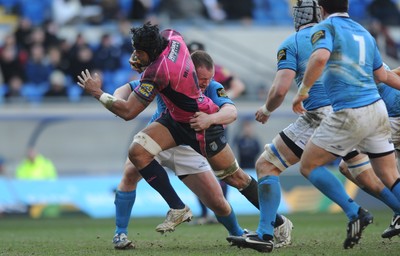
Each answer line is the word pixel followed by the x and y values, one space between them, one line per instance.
pixel 213 146
pixel 223 139
pixel 317 36
pixel 202 165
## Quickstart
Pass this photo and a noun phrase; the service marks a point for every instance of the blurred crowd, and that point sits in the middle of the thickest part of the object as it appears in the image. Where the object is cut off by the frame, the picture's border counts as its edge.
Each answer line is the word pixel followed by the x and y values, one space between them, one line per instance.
pixel 37 64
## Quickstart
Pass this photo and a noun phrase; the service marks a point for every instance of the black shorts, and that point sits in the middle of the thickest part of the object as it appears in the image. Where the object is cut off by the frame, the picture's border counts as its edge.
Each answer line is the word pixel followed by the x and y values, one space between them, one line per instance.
pixel 207 143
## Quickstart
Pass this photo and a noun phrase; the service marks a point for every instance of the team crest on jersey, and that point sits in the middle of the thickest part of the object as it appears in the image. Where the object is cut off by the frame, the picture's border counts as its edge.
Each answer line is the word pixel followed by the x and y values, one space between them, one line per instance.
pixel 173 53
pixel 317 35
pixel 281 55
pixel 221 93
pixel 201 98
pixel 146 89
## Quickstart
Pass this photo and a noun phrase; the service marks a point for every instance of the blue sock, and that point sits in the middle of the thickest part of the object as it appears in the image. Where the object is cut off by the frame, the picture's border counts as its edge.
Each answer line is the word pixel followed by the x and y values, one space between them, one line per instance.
pixel 395 189
pixel 156 176
pixel 390 200
pixel 269 196
pixel 123 207
pixel 331 187
pixel 230 223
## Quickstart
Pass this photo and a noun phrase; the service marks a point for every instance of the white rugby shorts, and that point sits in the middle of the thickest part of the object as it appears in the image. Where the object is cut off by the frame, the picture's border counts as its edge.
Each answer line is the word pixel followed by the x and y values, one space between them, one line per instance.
pixel 303 128
pixel 395 127
pixel 183 160
pixel 366 129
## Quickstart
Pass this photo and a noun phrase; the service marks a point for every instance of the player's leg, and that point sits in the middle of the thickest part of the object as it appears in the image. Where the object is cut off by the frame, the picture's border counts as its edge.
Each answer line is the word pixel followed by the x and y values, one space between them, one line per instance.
pixel 359 170
pixel 146 144
pixel 227 169
pixel 275 159
pixel 208 190
pixel 194 170
pixel 329 141
pixel 386 169
pixel 125 196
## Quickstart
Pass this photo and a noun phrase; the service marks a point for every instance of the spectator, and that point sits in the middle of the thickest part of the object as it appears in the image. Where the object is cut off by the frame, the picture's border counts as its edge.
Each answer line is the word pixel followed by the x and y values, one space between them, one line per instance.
pixel 107 56
pixel 247 145
pixel 66 12
pixel 37 68
pixel 58 85
pixel 36 167
pixel 84 60
pixel 182 9
pixel 241 10
pixel 10 65
pixel 22 34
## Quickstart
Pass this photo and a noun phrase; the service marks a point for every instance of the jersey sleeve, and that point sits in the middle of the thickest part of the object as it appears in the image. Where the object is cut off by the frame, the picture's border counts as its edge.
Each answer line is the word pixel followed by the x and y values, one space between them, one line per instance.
pixel 216 92
pixel 321 37
pixel 286 55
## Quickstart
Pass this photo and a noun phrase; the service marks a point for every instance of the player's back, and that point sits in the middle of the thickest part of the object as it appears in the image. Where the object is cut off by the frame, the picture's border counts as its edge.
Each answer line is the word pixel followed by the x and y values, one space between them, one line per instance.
pixel 348 76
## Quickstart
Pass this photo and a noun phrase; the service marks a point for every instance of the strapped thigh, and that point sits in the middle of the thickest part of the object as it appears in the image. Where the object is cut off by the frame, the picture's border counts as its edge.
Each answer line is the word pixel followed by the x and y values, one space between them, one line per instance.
pixel 147 143
pixel 272 155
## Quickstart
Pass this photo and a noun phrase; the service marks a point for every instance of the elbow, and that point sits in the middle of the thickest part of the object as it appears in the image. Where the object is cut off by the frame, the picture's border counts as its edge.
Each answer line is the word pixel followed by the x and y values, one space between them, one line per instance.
pixel 127 116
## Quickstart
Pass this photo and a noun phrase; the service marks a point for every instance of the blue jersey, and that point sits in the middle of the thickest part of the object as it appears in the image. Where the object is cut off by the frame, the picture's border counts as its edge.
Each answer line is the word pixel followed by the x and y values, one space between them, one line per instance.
pixel 391 97
pixel 348 75
pixel 215 91
pixel 293 54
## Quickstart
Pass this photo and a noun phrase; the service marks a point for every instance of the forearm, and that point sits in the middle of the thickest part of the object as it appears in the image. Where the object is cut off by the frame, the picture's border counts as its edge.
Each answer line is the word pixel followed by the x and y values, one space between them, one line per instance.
pixel 126 109
pixel 393 79
pixel 280 87
pixel 226 115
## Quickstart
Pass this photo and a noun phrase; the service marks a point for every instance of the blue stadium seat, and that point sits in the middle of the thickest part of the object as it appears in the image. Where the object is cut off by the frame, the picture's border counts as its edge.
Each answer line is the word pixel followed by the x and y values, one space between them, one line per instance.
pixel 9 5
pixel 36 10
pixel 34 92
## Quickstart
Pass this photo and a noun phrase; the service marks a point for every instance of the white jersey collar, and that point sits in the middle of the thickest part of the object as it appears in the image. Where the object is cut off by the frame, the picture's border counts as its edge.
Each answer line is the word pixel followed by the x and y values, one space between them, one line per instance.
pixel 339 14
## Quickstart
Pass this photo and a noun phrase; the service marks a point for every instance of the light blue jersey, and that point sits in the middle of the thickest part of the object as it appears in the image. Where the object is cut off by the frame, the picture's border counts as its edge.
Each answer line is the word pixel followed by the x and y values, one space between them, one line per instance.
pixel 215 91
pixel 293 54
pixel 348 75
pixel 391 97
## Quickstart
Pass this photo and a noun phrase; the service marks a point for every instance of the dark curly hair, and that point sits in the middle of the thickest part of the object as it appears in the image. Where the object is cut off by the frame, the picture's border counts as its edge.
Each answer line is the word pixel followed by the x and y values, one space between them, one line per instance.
pixel 147 38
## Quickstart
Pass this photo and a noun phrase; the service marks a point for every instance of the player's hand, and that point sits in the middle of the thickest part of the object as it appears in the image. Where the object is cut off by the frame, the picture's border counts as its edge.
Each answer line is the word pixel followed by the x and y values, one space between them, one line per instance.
pixel 200 121
pixel 90 84
pixel 261 117
pixel 297 104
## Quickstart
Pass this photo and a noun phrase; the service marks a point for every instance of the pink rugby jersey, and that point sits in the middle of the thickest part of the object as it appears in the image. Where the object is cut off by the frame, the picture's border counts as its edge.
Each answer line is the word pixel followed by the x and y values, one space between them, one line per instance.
pixel 173 75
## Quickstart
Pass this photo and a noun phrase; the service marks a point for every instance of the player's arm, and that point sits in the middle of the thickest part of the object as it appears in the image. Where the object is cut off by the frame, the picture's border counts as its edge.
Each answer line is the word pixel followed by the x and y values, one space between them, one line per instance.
pixel 226 115
pixel 314 70
pixel 282 82
pixel 123 92
pixel 126 109
pixel 388 77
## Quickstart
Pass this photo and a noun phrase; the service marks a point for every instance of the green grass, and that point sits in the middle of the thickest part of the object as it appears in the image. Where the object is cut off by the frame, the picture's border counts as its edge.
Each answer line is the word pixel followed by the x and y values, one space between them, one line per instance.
pixel 314 234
